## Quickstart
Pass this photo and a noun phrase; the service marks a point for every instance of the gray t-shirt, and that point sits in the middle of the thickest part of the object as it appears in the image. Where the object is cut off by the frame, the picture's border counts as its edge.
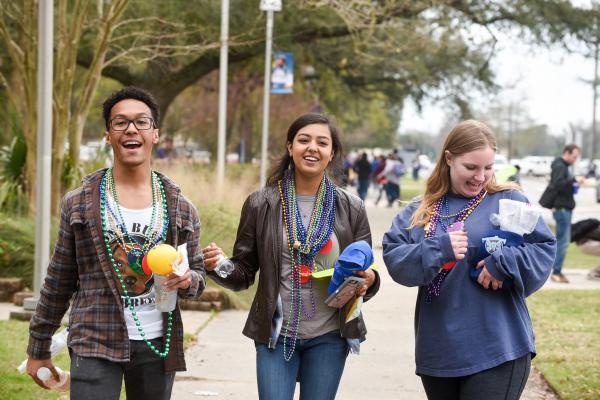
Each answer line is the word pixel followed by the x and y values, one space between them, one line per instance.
pixel 325 319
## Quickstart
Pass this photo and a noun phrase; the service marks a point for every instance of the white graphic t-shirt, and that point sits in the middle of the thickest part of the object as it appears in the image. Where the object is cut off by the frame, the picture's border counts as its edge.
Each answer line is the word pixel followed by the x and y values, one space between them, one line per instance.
pixel 139 287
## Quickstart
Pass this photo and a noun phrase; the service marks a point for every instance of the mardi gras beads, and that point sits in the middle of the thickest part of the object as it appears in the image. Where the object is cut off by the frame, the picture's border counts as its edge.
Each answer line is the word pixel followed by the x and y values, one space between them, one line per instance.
pixel 128 300
pixel 303 245
pixel 435 287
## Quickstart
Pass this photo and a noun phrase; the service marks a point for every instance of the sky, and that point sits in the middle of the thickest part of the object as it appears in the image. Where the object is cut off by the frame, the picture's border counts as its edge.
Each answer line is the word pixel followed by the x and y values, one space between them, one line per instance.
pixel 548 82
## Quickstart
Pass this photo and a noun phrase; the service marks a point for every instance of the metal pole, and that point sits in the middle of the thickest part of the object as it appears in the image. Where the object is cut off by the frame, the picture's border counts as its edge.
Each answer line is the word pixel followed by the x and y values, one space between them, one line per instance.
pixel 266 98
pixel 595 87
pixel 223 93
pixel 44 145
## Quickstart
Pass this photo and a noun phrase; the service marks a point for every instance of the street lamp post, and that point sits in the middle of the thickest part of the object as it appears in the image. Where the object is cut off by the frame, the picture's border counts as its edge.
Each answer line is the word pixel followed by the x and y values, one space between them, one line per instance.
pixel 592 153
pixel 44 148
pixel 222 93
pixel 269 6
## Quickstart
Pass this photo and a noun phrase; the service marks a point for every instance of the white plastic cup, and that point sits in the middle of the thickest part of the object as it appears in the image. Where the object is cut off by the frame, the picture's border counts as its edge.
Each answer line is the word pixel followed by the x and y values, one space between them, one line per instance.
pixel 165 299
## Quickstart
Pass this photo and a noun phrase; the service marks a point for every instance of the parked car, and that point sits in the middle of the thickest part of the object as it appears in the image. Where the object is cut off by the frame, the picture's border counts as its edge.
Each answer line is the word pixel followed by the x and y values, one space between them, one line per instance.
pixel 426 165
pixel 500 162
pixel 95 151
pixel 515 161
pixel 582 167
pixel 200 156
pixel 536 165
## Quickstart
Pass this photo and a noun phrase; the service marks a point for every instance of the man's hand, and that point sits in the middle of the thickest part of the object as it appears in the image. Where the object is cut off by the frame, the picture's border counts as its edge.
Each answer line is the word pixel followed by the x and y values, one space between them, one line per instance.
pixel 175 281
pixel 32 368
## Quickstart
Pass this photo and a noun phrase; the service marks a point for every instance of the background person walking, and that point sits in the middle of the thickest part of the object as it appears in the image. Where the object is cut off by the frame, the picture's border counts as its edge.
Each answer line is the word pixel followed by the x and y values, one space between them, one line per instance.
pixel 362 167
pixel 392 172
pixel 559 196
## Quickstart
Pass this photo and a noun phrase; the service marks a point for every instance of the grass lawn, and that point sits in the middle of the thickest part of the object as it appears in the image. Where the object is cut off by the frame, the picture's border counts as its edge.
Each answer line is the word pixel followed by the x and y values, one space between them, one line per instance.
pixel 567 326
pixel 576 259
pixel 410 188
pixel 16 386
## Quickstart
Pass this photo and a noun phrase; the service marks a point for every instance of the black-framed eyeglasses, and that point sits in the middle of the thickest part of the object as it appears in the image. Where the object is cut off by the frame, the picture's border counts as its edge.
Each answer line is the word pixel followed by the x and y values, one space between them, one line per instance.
pixel 120 124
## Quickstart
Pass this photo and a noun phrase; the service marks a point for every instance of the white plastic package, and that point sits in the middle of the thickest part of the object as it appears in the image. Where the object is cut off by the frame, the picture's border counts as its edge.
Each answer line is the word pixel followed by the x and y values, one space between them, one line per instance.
pixel 59 342
pixel 518 217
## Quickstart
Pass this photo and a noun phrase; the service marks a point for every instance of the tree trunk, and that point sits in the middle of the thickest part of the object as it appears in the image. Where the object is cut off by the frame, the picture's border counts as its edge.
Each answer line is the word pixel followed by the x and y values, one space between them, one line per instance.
pixel 72 123
pixel 69 24
pixel 29 84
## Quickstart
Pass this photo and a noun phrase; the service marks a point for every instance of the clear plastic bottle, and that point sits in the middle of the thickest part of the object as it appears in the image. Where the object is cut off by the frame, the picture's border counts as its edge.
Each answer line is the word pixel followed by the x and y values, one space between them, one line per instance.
pixel 62 385
pixel 224 266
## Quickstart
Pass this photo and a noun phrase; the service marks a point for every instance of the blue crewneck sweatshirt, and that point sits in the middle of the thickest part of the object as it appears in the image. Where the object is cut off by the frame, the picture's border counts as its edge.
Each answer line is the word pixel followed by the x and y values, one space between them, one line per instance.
pixel 468 329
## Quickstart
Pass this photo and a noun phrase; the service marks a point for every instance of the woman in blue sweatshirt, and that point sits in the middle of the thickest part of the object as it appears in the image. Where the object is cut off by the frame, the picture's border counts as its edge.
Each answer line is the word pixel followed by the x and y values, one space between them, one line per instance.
pixel 474 339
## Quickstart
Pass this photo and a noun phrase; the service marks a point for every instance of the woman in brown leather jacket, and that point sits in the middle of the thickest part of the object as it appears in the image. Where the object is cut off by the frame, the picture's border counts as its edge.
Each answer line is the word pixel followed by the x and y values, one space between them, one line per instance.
pixel 299 223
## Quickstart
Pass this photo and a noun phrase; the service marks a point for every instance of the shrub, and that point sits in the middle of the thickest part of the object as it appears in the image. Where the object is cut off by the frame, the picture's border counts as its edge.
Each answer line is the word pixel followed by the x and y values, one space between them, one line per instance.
pixel 17 248
pixel 12 174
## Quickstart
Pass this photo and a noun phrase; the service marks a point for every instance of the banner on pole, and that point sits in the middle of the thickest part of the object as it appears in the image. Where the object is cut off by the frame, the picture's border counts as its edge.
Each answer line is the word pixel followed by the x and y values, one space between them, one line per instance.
pixel 282 73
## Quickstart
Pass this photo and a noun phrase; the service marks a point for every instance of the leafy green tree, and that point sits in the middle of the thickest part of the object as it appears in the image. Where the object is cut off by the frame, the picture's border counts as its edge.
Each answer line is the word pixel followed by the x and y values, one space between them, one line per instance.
pixel 370 56
pixel 72 93
pixel 384 52
pixel 517 133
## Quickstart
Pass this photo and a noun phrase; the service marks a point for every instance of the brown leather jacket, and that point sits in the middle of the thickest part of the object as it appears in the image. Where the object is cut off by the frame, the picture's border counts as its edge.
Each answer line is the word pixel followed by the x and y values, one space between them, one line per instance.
pixel 258 246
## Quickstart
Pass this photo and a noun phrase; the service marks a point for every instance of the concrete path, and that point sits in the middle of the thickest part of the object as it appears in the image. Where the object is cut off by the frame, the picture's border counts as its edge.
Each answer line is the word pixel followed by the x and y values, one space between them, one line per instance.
pixel 223 361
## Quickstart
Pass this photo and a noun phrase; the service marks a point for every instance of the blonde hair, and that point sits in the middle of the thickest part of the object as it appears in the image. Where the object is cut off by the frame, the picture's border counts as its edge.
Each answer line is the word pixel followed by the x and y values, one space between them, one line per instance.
pixel 467 136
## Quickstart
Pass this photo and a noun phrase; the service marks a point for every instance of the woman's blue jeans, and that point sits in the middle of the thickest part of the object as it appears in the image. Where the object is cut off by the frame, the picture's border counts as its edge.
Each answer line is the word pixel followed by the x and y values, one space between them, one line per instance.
pixel 316 363
pixel 562 217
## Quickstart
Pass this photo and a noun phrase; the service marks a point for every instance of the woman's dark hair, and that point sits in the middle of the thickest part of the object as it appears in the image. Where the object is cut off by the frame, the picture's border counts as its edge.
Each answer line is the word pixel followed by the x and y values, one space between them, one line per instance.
pixel 335 166
pixel 135 93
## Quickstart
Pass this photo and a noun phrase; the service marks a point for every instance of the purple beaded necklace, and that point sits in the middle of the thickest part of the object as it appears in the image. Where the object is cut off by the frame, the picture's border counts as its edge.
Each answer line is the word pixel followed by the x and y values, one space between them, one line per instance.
pixel 303 244
pixel 435 287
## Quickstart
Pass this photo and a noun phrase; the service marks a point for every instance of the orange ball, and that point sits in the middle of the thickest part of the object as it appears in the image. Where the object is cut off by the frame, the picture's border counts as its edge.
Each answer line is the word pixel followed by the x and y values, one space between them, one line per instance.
pixel 161 257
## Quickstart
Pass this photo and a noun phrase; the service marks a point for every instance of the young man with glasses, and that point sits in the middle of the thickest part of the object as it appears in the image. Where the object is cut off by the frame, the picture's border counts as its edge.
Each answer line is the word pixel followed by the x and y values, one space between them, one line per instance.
pixel 107 227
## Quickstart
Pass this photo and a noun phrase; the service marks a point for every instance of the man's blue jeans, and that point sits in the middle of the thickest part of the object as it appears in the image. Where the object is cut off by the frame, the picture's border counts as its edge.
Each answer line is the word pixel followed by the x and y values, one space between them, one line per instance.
pixel 363 188
pixel 562 216
pixel 393 192
pixel 318 364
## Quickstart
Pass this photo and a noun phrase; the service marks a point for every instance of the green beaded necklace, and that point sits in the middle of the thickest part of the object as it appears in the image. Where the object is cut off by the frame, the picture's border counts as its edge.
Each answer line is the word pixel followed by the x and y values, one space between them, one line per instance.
pixel 128 301
pixel 117 223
